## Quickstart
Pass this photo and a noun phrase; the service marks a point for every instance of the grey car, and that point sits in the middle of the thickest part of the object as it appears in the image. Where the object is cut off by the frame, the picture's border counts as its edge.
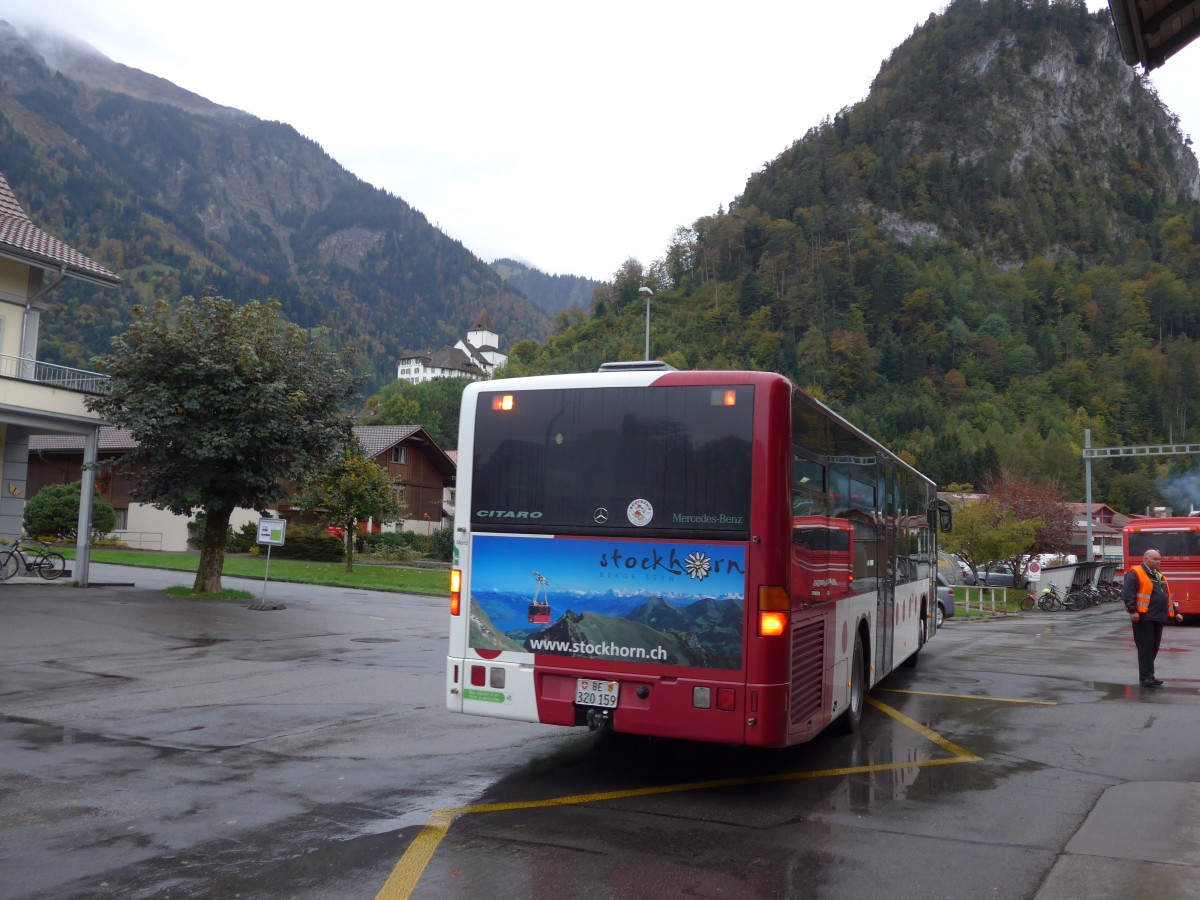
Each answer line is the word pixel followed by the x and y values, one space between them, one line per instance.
pixel 945 601
pixel 1000 576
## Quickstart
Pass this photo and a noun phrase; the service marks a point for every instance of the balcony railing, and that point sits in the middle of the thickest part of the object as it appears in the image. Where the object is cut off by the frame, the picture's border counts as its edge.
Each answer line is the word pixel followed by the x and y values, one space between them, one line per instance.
pixel 80 380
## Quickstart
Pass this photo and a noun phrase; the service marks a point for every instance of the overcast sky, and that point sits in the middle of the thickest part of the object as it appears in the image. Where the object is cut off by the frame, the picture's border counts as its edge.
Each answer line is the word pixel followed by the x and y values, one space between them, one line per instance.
pixel 565 134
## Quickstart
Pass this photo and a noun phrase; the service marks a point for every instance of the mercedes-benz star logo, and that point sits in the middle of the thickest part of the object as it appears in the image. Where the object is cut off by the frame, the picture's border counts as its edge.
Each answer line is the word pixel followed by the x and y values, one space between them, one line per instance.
pixel 600 515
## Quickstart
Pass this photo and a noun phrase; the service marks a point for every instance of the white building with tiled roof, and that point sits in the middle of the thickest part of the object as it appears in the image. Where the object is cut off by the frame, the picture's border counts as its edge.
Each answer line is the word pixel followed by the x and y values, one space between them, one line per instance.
pixel 477 357
pixel 35 397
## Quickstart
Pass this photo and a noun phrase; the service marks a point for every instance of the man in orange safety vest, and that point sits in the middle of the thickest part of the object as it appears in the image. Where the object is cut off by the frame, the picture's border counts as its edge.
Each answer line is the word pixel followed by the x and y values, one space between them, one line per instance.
pixel 1147 596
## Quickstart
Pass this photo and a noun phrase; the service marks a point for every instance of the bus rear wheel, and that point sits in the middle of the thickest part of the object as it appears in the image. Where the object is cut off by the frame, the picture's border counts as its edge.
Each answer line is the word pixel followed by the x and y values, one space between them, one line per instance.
pixel 852 718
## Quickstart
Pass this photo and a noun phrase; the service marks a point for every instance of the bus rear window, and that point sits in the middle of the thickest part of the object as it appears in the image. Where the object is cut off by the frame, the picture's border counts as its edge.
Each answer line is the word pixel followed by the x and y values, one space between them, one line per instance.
pixel 599 460
pixel 1167 543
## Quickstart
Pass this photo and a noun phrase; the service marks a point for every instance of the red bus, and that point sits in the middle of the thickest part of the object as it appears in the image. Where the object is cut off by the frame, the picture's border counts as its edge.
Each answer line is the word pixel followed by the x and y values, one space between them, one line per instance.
pixel 1177 539
pixel 725 558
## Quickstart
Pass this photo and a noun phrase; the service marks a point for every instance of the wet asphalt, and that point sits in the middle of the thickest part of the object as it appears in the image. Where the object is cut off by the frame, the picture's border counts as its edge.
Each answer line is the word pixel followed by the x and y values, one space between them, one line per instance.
pixel 305 719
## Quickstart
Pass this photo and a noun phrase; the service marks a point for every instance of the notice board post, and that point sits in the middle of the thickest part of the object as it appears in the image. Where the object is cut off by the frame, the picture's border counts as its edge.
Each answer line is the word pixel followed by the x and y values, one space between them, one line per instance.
pixel 271 533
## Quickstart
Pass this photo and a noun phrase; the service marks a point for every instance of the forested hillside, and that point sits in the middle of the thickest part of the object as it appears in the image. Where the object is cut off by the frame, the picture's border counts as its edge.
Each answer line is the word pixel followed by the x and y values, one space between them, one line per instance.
pixel 998 248
pixel 552 294
pixel 175 193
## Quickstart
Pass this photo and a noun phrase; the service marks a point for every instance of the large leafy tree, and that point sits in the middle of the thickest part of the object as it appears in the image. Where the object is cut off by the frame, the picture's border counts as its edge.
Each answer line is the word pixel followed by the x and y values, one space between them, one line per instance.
pixel 352 491
pixel 225 402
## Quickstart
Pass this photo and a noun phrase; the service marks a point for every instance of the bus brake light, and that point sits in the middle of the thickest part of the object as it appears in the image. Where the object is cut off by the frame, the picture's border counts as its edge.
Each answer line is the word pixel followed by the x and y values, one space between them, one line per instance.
pixel 455 591
pixel 503 402
pixel 774 604
pixel 772 624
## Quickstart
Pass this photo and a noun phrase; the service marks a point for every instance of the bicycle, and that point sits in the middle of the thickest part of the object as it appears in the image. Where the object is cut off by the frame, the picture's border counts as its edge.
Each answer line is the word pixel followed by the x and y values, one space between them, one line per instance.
pixel 1078 599
pixel 1050 600
pixel 1047 600
pixel 47 564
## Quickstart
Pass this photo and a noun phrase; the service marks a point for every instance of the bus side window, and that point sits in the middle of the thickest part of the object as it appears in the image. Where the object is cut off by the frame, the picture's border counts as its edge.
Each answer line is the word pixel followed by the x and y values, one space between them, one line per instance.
pixel 807 476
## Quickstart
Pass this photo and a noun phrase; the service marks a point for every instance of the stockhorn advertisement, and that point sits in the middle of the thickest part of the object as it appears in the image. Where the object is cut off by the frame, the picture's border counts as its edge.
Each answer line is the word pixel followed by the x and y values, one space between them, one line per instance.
pixel 677 603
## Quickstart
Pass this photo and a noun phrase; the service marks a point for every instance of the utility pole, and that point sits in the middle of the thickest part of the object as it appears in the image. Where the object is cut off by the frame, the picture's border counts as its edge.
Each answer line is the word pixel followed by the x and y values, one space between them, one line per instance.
pixel 649 293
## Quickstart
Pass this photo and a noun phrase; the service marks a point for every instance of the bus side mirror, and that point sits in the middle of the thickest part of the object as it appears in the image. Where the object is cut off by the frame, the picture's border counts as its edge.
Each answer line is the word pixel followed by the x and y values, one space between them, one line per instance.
pixel 940 509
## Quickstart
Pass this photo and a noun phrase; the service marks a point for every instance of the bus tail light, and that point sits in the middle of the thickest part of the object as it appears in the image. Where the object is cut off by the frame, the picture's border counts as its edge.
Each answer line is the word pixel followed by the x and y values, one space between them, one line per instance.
pixel 455 591
pixel 774 604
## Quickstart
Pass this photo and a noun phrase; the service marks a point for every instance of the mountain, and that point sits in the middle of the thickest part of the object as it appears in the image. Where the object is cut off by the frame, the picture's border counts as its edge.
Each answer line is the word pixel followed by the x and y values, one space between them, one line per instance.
pixel 552 294
pixel 175 193
pixel 994 251
pixel 1009 128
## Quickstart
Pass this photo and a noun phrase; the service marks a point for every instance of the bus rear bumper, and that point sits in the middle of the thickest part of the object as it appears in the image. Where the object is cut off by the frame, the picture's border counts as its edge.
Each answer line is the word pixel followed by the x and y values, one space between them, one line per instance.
pixel 690 709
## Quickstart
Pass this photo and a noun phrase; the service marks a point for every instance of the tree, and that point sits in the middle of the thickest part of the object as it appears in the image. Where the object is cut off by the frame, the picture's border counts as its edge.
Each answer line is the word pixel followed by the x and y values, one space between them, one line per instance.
pixel 1032 502
pixel 352 491
pixel 225 403
pixel 984 533
pixel 55 509
pixel 433 404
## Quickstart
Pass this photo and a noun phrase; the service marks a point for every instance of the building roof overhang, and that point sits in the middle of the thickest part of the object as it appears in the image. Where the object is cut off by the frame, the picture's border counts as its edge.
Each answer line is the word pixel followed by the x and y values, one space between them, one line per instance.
pixel 1152 31
pixel 23 242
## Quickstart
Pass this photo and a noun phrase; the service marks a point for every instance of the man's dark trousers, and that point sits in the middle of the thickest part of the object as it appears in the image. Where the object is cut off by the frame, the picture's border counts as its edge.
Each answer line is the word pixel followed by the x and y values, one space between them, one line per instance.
pixel 1147 636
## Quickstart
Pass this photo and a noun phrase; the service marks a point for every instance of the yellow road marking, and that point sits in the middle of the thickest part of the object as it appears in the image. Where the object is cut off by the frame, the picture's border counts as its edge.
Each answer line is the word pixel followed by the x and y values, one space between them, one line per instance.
pixel 408 871
pixel 968 697
pixel 404 877
pixel 963 755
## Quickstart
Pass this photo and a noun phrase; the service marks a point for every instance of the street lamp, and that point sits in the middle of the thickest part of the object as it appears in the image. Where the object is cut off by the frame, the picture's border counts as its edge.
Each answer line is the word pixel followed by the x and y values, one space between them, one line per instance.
pixel 649 293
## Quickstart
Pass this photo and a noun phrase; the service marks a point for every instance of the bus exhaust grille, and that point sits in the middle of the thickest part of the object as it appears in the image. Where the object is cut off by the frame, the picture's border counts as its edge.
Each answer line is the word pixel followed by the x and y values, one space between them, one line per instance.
pixel 808 671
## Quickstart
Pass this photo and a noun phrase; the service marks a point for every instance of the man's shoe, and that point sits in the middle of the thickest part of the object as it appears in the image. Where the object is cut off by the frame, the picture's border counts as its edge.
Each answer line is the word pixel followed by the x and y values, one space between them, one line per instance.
pixel 1150 682
pixel 1157 681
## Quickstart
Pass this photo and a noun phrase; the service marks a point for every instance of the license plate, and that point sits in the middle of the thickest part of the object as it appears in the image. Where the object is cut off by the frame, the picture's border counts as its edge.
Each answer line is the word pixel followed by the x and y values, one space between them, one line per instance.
pixel 590 692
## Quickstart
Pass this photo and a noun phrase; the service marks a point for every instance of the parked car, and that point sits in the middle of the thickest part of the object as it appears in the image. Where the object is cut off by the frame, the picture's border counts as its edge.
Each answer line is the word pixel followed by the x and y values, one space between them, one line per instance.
pixel 945 603
pixel 950 567
pixel 1001 576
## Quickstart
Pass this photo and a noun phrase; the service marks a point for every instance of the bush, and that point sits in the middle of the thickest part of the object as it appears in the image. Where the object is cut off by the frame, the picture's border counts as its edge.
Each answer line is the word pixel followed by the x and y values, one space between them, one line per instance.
pixel 311 543
pixel 381 541
pixel 239 541
pixel 244 540
pixel 55 509
pixel 441 544
pixel 389 553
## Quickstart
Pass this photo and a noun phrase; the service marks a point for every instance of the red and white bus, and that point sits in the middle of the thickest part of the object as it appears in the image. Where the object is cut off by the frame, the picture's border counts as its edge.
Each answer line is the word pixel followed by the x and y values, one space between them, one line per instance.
pixel 720 556
pixel 1177 539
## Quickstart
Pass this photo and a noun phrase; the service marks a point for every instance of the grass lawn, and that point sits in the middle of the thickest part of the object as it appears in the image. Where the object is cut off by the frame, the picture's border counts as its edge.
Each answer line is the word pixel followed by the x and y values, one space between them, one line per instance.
pixel 987 602
pixel 367 576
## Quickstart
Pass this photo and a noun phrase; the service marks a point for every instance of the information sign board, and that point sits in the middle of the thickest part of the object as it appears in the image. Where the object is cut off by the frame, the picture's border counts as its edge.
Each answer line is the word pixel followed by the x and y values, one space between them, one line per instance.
pixel 271 532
